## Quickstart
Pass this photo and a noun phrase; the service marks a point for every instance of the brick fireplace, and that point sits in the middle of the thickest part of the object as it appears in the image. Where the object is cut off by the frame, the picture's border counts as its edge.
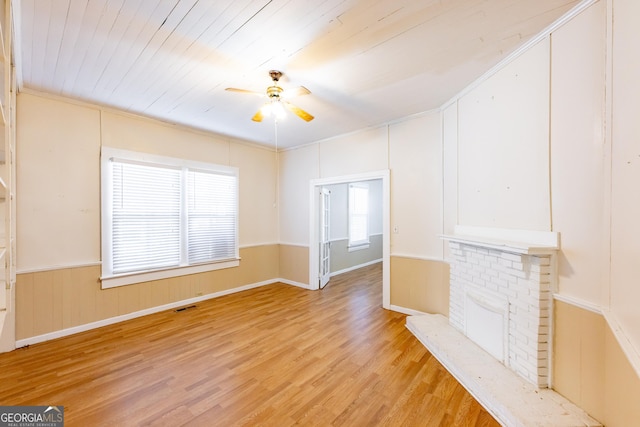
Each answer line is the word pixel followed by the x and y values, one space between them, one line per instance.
pixel 497 339
pixel 501 284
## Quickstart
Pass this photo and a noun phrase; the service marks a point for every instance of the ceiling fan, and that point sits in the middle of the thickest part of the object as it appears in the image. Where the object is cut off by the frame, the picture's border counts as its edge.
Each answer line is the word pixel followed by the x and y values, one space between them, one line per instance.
pixel 277 99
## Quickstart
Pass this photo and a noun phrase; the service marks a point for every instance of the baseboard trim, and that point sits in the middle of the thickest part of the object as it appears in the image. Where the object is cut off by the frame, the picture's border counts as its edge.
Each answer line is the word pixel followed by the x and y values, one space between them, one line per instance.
pixel 110 321
pixel 629 350
pixel 407 311
pixel 355 267
pixel 293 283
pixel 580 303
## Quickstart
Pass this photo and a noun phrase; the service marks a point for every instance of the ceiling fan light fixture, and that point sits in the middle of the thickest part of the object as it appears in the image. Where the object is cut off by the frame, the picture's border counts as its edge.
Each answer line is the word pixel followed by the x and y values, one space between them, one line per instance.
pixel 278 100
pixel 278 110
pixel 274 107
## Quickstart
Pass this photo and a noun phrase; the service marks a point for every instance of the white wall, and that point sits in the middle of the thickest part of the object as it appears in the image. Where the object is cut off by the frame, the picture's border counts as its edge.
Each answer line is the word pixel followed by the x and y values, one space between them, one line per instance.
pixel 340 209
pixel 503 147
pixel 297 168
pixel 625 164
pixel 57 184
pixel 58 176
pixel 525 149
pixel 578 152
pixel 360 152
pixel 411 149
pixel 415 159
pixel 529 148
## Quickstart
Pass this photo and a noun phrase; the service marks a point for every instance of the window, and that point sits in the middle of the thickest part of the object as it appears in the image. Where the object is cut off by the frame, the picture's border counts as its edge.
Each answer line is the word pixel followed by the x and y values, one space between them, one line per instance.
pixel 358 216
pixel 163 217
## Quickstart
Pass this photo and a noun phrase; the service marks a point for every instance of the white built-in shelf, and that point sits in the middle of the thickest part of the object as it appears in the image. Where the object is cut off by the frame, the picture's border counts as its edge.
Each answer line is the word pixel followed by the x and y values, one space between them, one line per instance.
pixel 525 242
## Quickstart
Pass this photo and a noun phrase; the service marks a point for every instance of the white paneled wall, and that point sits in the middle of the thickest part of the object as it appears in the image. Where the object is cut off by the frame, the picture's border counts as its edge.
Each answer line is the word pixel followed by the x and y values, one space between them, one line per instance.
pixel 625 163
pixel 503 147
pixel 578 152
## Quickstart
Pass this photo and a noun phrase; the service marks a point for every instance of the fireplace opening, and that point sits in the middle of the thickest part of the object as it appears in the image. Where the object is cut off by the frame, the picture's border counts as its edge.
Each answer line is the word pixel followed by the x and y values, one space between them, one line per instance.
pixel 486 322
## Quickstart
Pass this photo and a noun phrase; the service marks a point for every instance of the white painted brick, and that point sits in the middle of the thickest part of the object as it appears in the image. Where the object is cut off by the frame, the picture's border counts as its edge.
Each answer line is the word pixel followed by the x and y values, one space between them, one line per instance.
pixel 505 262
pixel 541 269
pixel 501 282
pixel 540 260
pixel 489 284
pixel 491 272
pixel 543 372
pixel 525 281
pixel 544 279
pixel 521 338
pixel 543 339
pixel 543 359
pixel 517 266
pixel 505 276
pixel 531 367
pixel 521 304
pixel 478 281
pixel 492 258
pixel 486 263
pixel 512 257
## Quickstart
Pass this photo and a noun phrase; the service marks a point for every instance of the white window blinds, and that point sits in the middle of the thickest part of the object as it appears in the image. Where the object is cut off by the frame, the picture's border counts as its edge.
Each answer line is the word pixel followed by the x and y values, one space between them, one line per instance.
pixel 211 207
pixel 166 214
pixel 146 217
pixel 358 214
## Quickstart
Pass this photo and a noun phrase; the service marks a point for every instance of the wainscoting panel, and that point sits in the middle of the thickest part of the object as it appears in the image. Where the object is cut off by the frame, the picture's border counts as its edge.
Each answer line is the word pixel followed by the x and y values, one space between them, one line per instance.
pixel 590 368
pixel 53 300
pixel 419 284
pixel 294 263
pixel 342 259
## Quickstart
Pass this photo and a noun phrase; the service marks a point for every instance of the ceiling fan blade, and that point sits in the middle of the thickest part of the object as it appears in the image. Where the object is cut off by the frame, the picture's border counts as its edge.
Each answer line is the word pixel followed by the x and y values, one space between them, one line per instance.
pixel 257 117
pixel 250 92
pixel 298 112
pixel 295 91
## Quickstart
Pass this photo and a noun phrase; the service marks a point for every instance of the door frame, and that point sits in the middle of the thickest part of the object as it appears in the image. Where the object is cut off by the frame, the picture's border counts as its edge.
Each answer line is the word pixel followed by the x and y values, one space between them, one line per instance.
pixel 314 227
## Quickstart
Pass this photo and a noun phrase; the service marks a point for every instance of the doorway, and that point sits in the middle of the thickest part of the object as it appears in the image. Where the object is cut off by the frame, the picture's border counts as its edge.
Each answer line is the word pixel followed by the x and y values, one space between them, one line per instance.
pixel 315 229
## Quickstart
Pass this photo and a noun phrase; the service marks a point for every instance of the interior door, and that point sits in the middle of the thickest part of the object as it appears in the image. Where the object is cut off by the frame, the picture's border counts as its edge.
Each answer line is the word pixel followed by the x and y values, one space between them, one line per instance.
pixel 325 244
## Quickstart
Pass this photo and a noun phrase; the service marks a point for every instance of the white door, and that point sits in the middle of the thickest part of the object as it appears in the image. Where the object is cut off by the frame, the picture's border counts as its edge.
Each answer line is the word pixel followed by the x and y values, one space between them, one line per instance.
pixel 325 244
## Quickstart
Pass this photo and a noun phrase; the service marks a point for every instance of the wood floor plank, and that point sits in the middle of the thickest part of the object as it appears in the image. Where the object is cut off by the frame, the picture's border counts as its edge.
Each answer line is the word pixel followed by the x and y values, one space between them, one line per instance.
pixel 274 356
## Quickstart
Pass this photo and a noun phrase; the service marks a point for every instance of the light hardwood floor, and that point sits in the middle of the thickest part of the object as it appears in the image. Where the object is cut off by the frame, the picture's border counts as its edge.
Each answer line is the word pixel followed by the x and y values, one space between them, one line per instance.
pixel 274 356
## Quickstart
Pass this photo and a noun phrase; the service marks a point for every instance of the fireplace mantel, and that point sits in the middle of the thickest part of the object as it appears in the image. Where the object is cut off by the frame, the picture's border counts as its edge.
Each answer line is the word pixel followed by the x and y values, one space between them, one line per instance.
pixel 523 242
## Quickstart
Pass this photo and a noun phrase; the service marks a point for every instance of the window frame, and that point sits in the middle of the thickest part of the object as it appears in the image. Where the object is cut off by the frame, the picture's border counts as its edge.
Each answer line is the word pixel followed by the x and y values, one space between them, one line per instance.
pixel 364 243
pixel 108 278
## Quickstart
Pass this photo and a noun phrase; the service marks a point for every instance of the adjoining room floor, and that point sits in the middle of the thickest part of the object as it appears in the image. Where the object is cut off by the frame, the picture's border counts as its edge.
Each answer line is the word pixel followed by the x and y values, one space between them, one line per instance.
pixel 275 356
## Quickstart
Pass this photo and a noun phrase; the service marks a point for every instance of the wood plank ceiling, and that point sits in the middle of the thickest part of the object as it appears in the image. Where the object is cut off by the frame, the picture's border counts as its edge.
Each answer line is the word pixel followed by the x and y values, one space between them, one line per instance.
pixel 366 62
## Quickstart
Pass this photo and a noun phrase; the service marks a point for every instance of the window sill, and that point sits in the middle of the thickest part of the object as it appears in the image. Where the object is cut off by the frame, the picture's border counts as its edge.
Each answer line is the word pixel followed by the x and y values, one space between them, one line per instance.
pixel 131 278
pixel 358 247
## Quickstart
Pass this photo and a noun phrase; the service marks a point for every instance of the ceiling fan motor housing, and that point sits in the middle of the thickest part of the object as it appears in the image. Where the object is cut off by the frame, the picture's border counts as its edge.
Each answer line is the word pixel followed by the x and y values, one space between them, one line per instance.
pixel 274 92
pixel 275 75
